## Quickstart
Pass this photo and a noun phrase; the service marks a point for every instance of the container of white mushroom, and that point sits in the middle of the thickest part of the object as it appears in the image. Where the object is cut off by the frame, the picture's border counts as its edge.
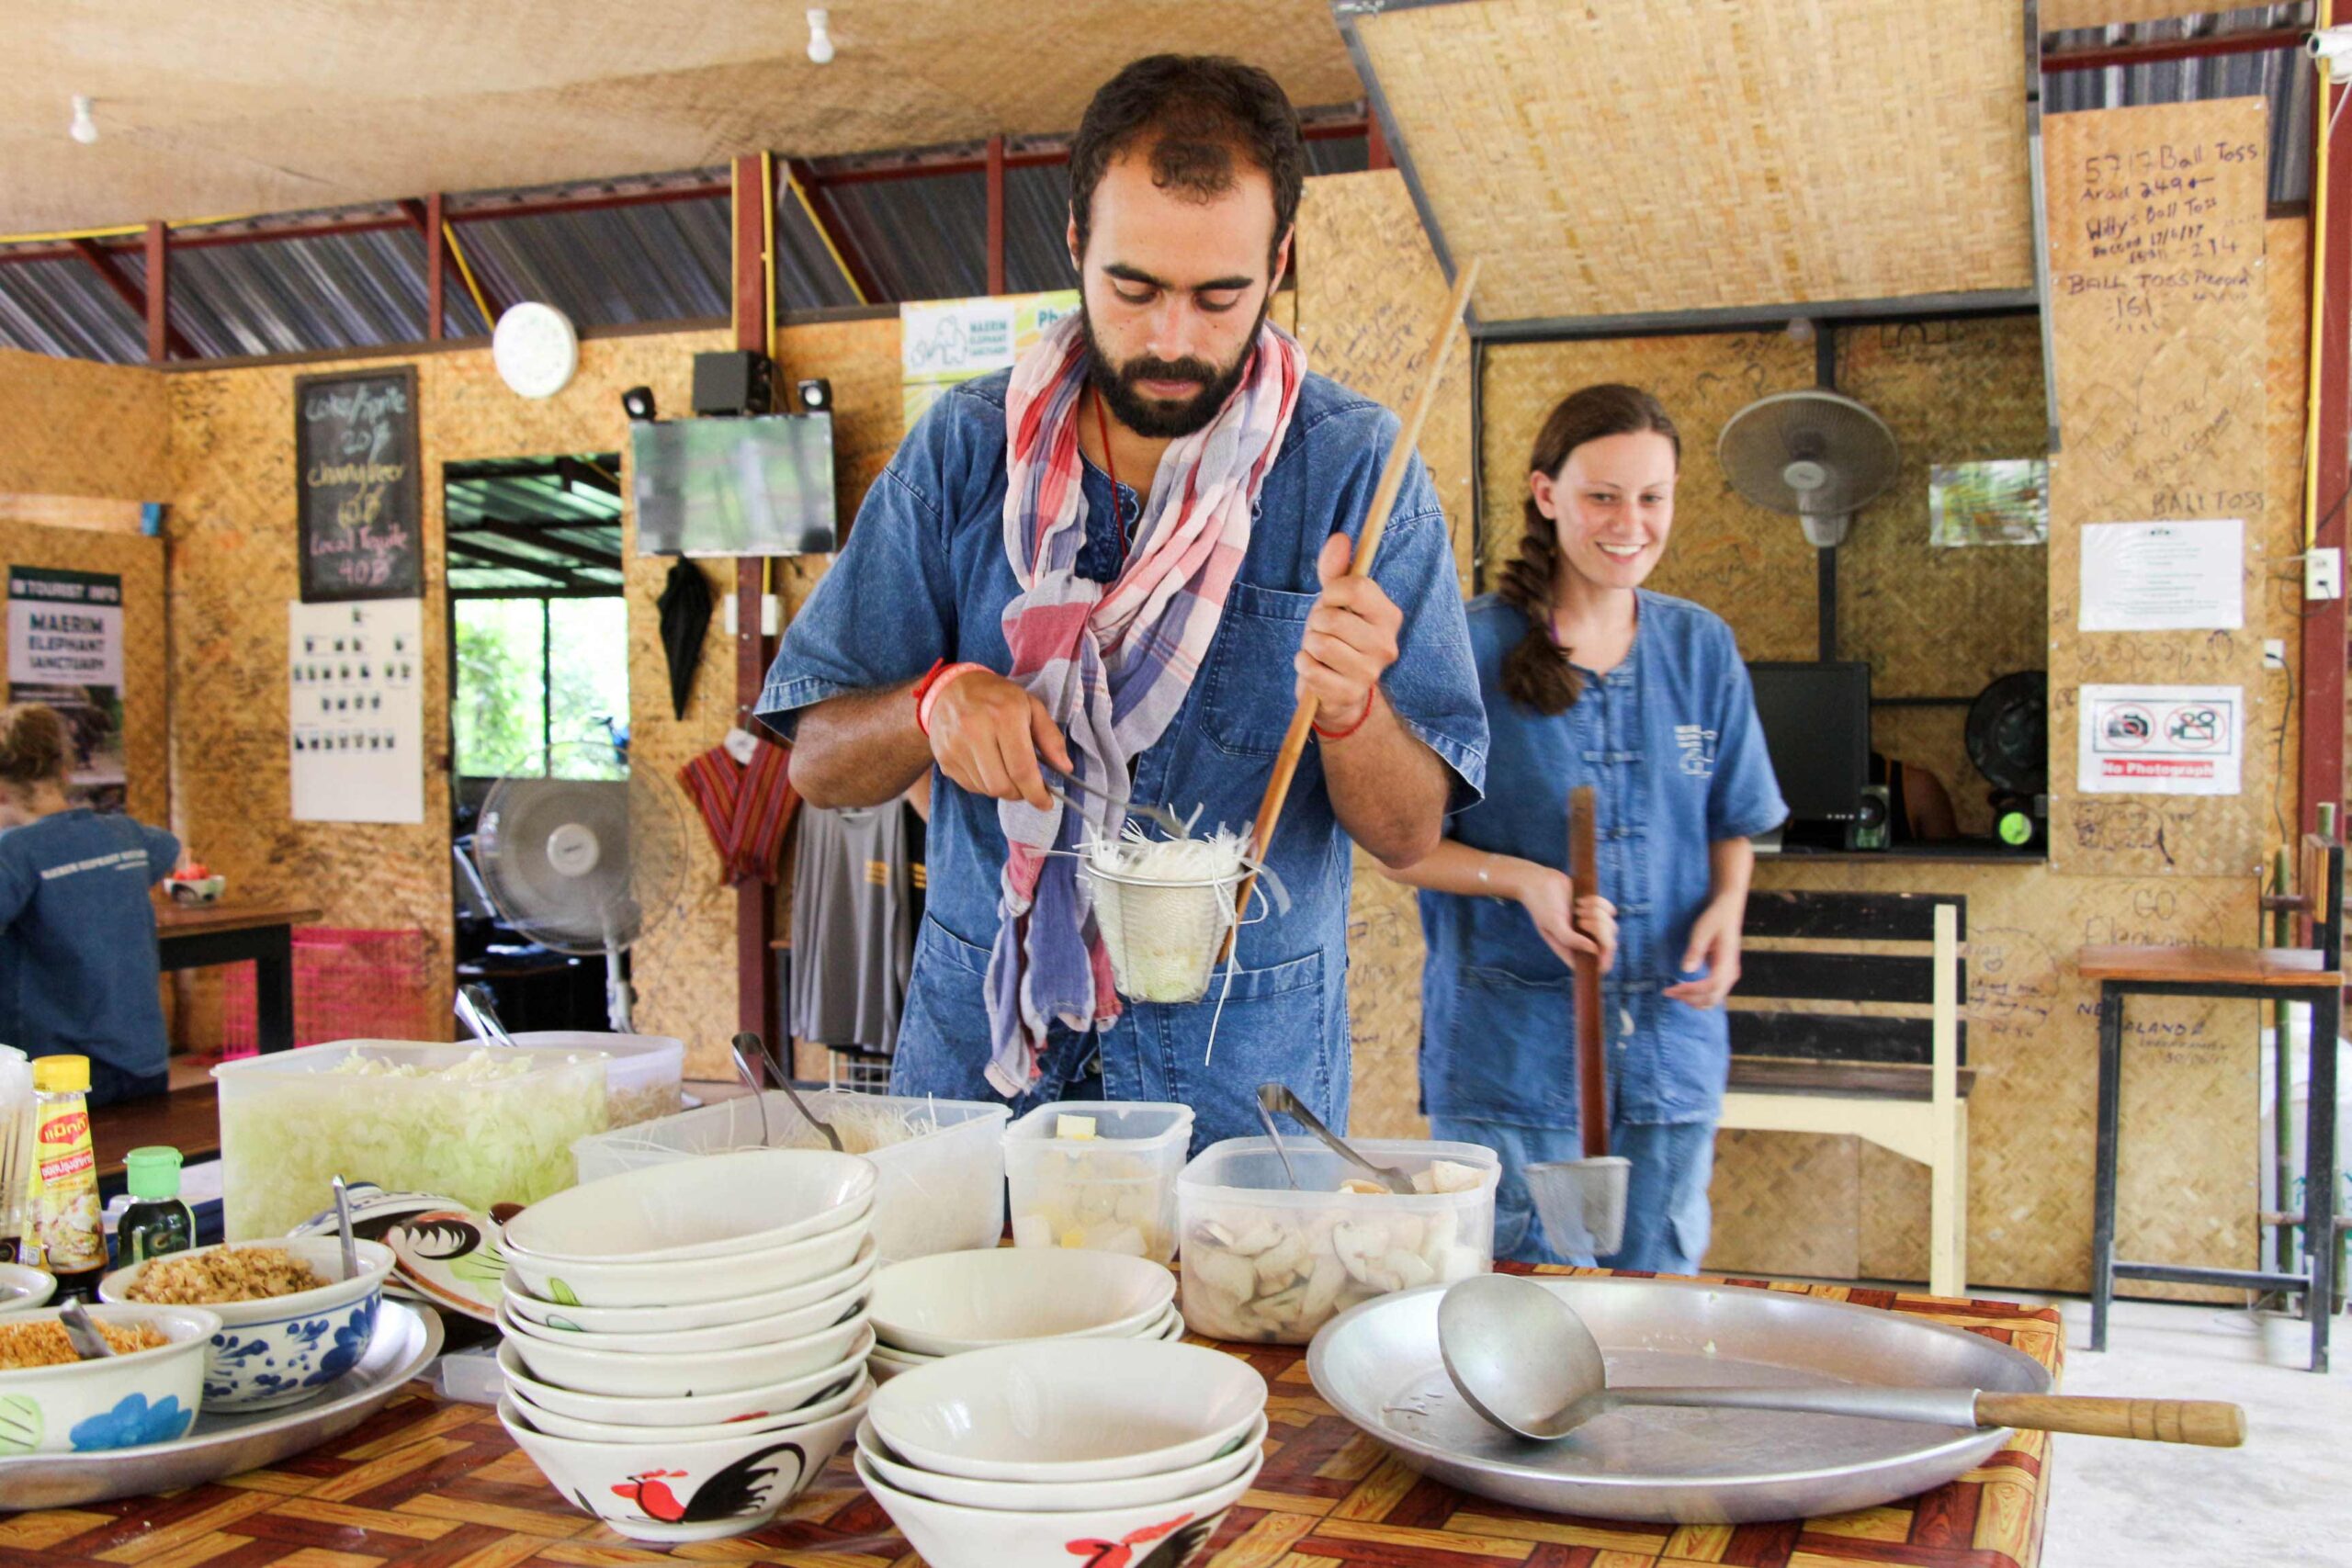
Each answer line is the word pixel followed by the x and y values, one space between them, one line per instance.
pixel 1270 1262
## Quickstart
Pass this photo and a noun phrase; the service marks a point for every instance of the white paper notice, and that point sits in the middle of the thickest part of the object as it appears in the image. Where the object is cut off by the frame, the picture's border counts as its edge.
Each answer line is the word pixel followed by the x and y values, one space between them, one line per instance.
pixel 356 710
pixel 2164 577
pixel 2162 739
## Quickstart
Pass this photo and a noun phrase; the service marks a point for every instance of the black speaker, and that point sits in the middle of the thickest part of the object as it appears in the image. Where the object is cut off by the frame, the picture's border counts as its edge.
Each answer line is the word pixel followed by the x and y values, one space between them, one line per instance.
pixel 740 381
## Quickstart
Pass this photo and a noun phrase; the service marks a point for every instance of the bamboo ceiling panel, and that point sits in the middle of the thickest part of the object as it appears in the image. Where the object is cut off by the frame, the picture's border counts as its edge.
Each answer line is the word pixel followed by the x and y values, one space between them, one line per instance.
pixel 2163 321
pixel 1627 157
pixel 212 106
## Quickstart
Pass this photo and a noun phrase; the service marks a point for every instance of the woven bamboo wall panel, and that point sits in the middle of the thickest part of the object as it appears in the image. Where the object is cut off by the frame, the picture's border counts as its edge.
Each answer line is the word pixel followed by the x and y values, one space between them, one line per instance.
pixel 1785 1204
pixel 74 428
pixel 1750 566
pixel 138 562
pixel 2186 1192
pixel 1621 156
pixel 1942 622
pixel 2063 16
pixel 234 572
pixel 1369 295
pixel 2162 321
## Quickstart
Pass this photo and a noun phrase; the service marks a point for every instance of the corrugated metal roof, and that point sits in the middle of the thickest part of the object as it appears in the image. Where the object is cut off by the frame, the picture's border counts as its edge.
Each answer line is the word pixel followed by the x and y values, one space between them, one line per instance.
pixel 535 525
pixel 2284 76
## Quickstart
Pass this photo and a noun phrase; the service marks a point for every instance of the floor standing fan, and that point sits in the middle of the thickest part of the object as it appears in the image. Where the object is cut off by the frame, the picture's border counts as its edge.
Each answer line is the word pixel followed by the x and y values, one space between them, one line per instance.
pixel 586 862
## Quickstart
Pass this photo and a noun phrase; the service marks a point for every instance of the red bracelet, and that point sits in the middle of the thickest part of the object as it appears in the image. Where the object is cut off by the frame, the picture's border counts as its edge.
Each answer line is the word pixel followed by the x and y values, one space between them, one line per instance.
pixel 933 681
pixel 1369 698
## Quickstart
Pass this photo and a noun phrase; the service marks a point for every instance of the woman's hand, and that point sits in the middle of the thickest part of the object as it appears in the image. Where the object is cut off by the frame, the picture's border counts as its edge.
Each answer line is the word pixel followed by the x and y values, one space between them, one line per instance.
pixel 1550 901
pixel 1715 946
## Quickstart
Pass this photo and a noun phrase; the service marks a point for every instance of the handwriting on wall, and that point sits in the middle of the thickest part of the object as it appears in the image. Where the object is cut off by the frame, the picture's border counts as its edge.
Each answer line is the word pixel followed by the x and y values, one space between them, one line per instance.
pixel 355 481
pixel 2159 315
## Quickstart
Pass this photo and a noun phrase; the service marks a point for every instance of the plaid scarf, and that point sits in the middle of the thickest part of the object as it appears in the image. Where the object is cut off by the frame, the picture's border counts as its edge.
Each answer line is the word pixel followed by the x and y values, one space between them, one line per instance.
pixel 1111 662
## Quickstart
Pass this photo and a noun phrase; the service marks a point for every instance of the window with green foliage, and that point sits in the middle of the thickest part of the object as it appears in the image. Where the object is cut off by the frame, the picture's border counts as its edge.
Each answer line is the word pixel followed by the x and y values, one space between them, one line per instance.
pixel 536 676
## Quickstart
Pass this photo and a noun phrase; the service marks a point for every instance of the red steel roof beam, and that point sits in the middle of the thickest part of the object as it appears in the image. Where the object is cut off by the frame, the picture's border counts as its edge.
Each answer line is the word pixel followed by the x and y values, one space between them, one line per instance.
pixel 2100 57
pixel 131 295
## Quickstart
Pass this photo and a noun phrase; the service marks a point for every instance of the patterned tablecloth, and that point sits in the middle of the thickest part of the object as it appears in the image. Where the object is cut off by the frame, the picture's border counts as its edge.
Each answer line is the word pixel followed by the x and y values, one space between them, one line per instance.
pixel 430 1485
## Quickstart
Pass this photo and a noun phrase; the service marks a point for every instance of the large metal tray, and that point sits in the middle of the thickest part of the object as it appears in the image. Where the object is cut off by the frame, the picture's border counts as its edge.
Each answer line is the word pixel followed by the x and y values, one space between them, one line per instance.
pixel 407 1340
pixel 1377 1364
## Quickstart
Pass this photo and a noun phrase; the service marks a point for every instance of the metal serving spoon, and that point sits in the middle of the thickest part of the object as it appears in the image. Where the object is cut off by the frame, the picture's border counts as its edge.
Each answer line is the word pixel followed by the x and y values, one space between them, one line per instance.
pixel 1276 1098
pixel 83 1334
pixel 1524 1359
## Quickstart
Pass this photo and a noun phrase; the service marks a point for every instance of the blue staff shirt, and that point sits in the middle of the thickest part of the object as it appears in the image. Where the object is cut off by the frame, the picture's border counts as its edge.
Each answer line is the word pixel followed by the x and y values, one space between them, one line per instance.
pixel 77 939
pixel 924 576
pixel 1671 743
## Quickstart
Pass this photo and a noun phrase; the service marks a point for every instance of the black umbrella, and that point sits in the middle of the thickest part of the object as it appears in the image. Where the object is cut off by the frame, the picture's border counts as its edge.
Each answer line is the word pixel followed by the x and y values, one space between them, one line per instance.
pixel 685 616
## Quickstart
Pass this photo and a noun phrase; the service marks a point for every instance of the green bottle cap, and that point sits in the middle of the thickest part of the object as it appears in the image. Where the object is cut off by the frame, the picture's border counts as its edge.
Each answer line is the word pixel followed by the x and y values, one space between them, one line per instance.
pixel 2017 828
pixel 153 1172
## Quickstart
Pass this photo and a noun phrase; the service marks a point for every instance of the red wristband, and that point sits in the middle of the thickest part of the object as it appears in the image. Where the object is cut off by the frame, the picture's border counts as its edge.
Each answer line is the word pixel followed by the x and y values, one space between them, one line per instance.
pixel 935 681
pixel 1369 698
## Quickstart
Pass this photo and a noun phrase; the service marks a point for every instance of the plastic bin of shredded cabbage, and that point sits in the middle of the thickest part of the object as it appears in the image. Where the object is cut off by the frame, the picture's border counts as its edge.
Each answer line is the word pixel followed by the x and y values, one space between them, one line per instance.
pixel 477 1124
pixel 941 1161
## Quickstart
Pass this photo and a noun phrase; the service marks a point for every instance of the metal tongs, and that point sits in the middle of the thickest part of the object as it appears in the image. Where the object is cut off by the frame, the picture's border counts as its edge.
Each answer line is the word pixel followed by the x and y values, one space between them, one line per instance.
pixel 1160 816
pixel 479 1012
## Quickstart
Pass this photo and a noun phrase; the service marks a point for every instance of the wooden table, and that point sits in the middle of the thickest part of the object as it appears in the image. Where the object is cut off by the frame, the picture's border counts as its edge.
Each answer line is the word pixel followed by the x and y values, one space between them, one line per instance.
pixel 427 1484
pixel 206 934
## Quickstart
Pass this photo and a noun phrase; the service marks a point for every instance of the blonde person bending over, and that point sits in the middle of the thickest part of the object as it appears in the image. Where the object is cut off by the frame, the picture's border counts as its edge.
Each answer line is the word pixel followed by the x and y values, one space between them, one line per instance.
pixel 77 933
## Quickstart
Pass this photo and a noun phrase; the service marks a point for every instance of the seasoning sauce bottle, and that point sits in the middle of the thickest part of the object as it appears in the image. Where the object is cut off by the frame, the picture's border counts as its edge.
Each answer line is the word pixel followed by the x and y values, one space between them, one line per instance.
pixel 157 1220
pixel 67 1227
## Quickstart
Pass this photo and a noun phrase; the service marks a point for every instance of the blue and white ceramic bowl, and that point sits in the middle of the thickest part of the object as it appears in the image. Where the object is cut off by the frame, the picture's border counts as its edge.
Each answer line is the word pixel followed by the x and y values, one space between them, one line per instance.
pixel 281 1351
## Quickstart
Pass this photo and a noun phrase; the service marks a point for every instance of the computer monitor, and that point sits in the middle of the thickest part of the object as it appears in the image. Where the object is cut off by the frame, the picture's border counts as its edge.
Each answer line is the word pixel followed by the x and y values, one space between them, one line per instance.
pixel 759 486
pixel 1817 721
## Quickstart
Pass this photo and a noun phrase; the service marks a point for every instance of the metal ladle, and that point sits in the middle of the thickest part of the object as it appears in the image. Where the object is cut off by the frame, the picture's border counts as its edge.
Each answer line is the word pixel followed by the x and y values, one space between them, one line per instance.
pixel 1524 1360
pixel 1276 1098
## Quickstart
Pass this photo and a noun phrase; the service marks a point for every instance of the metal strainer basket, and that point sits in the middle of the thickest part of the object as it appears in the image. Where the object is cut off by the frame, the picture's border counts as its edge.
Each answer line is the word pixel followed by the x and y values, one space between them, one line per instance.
pixel 1163 937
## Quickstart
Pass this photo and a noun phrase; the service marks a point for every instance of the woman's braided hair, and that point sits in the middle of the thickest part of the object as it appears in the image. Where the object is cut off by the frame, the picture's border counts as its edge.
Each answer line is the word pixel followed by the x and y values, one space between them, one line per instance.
pixel 1537 672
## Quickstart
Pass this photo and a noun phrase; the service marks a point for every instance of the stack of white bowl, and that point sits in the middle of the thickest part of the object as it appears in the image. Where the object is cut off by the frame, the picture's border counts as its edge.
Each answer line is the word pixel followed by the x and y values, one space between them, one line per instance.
pixel 950 1304
pixel 1062 1449
pixel 685 1344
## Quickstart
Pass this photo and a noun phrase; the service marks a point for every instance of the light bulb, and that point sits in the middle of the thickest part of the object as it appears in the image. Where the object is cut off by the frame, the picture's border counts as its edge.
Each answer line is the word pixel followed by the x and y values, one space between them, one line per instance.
pixel 84 129
pixel 821 42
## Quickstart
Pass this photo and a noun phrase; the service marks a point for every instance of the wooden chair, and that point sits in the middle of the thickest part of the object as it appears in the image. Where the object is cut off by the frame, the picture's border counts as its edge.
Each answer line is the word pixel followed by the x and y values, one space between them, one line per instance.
pixel 1900 1082
pixel 2312 976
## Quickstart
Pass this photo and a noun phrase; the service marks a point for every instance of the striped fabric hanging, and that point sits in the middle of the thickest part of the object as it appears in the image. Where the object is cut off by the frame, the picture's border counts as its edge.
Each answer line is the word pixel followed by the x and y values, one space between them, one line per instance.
pixel 747 809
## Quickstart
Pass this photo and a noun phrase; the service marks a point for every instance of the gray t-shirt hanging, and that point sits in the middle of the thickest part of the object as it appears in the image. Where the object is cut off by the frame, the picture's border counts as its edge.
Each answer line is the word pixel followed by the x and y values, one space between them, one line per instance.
pixel 853 926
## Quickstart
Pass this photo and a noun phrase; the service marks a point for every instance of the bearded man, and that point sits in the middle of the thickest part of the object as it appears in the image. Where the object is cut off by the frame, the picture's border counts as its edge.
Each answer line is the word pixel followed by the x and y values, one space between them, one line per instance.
pixel 1115 569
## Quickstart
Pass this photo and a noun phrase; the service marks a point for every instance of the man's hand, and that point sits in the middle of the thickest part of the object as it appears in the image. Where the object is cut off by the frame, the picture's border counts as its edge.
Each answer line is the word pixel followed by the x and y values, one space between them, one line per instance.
pixel 1351 637
pixel 1714 944
pixel 987 734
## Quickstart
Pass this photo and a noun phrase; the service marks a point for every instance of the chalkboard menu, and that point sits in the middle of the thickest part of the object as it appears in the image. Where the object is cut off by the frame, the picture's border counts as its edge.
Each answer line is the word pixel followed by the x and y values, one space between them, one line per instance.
pixel 355 481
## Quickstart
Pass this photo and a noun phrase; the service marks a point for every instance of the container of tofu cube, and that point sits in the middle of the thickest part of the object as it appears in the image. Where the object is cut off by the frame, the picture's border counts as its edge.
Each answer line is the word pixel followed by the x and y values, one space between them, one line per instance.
pixel 1097 1175
pixel 1270 1262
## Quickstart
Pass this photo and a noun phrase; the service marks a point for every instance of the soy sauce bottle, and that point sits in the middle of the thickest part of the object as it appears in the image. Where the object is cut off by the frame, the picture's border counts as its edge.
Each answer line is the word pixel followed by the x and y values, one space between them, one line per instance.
pixel 157 1220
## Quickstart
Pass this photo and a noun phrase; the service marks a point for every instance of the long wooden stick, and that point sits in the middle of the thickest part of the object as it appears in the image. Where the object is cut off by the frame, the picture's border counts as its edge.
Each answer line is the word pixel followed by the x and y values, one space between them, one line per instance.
pixel 1592 1056
pixel 1375 524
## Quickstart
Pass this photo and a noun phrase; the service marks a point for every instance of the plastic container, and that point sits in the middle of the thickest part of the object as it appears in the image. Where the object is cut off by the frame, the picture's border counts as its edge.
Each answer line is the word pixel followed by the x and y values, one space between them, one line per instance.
pixel 1269 1263
pixel 290 1121
pixel 642 1080
pixel 941 1161
pixel 1113 1193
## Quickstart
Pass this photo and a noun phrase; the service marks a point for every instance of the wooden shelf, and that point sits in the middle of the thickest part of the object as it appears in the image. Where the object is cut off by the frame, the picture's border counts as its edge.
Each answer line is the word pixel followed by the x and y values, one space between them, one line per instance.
pixel 2209 965
pixel 1958 852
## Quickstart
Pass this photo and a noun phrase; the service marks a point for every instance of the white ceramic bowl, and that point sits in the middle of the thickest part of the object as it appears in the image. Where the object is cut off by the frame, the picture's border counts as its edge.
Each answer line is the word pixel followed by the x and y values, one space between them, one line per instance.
pixel 121 1401
pixel 22 1289
pixel 638 1374
pixel 685 1410
pixel 954 1301
pixel 671 1284
pixel 280 1351
pixel 694 1315
pixel 768 1330
pixel 949 1536
pixel 854 1388
pixel 654 1489
pixel 689 1210
pixel 1069 1410
pixel 1169 1325
pixel 1062 1497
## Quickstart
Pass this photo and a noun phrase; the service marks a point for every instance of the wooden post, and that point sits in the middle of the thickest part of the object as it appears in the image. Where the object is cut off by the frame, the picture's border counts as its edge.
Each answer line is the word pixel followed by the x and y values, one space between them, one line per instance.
pixel 1376 144
pixel 436 270
pixel 159 292
pixel 2331 457
pixel 996 214
pixel 754 908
